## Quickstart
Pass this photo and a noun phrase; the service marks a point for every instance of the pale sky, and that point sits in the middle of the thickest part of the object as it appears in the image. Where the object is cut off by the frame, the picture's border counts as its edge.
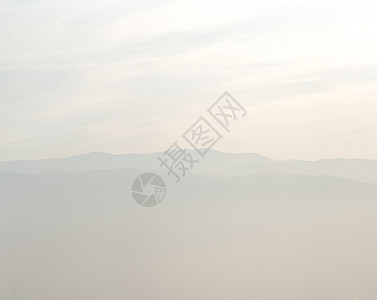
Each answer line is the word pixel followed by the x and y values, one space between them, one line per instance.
pixel 131 76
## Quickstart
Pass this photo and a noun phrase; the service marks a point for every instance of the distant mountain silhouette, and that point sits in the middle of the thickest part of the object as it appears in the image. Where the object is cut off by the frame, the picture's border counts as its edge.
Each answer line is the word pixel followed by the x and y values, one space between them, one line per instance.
pixel 214 163
pixel 103 161
pixel 251 233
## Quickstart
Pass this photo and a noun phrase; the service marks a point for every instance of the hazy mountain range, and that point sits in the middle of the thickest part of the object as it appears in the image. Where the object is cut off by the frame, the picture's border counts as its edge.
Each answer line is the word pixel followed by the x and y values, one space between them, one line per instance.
pixel 240 226
pixel 214 163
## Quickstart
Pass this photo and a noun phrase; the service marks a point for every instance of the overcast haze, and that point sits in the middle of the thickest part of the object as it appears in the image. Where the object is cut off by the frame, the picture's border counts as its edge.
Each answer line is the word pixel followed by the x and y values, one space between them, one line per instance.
pixel 69 229
pixel 92 93
pixel 132 76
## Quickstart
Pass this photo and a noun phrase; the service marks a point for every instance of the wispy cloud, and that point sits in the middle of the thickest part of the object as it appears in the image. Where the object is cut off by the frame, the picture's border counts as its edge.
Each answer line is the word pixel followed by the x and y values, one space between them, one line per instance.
pixel 74 64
